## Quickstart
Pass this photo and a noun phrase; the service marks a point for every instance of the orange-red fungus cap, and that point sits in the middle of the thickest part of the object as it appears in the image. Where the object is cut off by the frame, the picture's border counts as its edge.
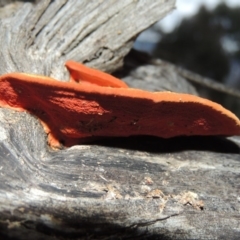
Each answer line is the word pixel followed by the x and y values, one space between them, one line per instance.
pixel 82 74
pixel 73 113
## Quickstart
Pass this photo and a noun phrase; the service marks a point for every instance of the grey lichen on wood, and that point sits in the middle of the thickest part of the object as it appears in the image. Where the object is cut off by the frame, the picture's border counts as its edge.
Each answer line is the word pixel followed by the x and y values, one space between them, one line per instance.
pixel 141 187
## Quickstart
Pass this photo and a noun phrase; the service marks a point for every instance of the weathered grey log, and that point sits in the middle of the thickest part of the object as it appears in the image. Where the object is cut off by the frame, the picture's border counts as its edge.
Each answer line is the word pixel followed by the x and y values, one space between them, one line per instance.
pixel 153 75
pixel 41 37
pixel 135 188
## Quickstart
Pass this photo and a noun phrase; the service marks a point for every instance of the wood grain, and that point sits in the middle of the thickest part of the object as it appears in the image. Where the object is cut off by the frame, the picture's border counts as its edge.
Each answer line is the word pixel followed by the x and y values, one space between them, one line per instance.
pixel 135 188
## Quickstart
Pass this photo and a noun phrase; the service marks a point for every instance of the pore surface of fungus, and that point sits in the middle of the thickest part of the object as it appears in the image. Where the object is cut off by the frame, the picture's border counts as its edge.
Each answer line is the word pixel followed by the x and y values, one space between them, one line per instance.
pixel 85 108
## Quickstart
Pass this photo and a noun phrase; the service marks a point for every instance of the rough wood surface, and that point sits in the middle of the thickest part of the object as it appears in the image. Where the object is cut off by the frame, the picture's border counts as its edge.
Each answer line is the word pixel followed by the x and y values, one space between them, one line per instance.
pixel 134 188
pixel 40 37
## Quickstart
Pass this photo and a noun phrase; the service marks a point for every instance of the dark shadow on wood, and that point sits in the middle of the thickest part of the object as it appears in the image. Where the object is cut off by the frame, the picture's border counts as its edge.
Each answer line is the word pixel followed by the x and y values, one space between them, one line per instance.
pixel 82 229
pixel 133 60
pixel 177 144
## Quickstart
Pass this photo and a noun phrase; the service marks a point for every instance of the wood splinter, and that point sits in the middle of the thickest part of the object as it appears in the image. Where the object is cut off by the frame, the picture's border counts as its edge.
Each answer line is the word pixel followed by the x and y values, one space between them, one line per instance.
pixel 95 104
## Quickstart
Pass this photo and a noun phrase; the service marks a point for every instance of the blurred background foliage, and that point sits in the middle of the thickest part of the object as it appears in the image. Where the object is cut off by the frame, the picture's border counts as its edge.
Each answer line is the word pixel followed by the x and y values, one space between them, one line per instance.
pixel 208 44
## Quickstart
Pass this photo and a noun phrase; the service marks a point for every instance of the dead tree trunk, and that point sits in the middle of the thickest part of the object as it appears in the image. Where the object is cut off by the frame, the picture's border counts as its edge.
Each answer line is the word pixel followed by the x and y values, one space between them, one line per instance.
pixel 140 187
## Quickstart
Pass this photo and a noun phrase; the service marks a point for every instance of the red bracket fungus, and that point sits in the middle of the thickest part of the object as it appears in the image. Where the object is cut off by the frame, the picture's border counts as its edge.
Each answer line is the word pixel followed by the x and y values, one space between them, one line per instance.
pixel 95 104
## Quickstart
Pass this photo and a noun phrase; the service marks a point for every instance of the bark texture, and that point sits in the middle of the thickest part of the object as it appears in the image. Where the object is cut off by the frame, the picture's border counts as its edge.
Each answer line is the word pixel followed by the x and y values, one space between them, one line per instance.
pixel 128 188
